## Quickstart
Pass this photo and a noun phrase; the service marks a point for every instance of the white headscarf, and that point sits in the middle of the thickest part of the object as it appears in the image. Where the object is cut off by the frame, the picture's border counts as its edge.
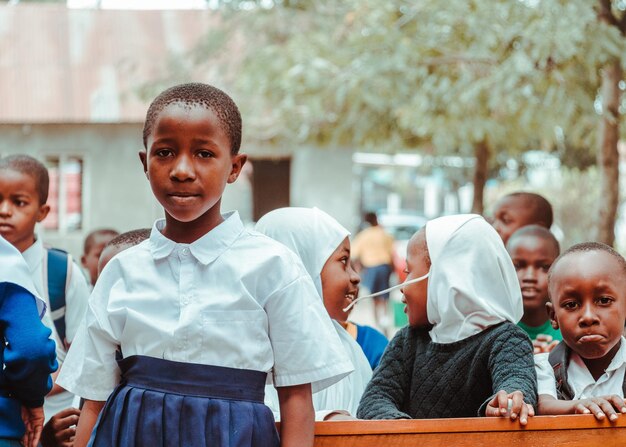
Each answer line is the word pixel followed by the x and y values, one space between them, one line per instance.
pixel 472 283
pixel 13 269
pixel 313 235
pixel 309 232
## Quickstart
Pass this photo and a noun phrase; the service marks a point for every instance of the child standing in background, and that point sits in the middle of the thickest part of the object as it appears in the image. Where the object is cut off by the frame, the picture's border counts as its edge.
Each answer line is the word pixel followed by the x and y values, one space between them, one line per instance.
pixel 518 209
pixel 533 249
pixel 585 373
pixel 94 244
pixel 324 248
pixel 462 354
pixel 24 187
pixel 184 331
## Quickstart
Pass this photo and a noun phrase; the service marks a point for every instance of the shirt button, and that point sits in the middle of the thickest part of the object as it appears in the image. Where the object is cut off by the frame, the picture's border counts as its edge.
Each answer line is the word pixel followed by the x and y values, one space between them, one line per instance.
pixel 185 251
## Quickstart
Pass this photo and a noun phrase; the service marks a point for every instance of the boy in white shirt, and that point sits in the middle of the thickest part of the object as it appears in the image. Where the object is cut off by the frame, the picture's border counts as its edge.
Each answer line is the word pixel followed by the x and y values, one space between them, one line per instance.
pixel 184 329
pixel 24 187
pixel 585 372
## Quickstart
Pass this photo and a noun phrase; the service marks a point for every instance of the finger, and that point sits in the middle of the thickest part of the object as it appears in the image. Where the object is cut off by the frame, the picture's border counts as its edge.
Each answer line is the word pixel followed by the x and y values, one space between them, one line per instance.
pixel 66 421
pixel 516 407
pixel 531 410
pixel 581 409
pixel 523 415
pixel 491 409
pixel 502 401
pixel 607 408
pixel 617 402
pixel 67 412
pixel 37 435
pixel 595 409
pixel 65 434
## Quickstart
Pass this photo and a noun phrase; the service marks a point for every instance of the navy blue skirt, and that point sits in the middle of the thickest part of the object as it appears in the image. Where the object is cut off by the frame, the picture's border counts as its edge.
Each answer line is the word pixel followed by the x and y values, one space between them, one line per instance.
pixel 166 403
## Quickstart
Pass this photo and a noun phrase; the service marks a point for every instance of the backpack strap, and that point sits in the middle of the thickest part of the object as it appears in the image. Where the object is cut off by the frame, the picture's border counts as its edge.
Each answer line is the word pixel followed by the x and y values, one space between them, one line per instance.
pixel 559 360
pixel 59 267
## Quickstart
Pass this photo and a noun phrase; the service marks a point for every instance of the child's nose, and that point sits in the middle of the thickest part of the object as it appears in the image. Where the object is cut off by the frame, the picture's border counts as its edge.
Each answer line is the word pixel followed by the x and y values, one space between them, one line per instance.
pixel 5 208
pixel 588 316
pixel 183 169
pixel 529 274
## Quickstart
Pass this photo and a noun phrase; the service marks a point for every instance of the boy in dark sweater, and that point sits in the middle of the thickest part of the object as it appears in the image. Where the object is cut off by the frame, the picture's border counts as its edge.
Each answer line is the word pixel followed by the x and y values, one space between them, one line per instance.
pixel 27 354
pixel 585 372
pixel 462 354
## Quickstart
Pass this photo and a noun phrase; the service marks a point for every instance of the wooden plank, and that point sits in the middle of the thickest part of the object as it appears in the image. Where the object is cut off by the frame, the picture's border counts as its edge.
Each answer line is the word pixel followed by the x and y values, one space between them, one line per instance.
pixel 541 431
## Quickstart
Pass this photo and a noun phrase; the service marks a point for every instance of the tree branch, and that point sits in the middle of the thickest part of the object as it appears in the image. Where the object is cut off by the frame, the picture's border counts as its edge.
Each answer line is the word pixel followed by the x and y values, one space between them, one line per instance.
pixel 605 14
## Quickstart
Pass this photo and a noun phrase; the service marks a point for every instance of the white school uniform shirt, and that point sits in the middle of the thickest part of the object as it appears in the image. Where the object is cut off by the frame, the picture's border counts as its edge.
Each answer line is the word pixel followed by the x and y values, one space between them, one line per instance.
pixel 232 298
pixel 76 298
pixel 314 235
pixel 580 379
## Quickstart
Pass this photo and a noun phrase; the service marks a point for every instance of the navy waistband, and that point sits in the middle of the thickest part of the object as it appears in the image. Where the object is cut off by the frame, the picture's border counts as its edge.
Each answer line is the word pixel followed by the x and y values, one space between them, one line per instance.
pixel 193 379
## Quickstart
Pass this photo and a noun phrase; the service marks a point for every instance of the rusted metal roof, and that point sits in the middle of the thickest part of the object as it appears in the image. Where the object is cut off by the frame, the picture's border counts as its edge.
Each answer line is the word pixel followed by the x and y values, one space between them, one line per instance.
pixel 60 65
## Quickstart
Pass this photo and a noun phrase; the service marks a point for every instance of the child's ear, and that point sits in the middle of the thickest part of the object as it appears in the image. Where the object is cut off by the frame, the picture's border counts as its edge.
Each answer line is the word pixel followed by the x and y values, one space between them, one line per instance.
pixel 43 212
pixel 143 156
pixel 236 166
pixel 552 315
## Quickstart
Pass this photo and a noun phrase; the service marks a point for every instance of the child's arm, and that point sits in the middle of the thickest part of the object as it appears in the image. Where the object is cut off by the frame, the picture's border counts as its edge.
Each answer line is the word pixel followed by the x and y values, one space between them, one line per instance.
pixel 598 406
pixel 88 417
pixel 513 376
pixel 296 415
pixel 389 387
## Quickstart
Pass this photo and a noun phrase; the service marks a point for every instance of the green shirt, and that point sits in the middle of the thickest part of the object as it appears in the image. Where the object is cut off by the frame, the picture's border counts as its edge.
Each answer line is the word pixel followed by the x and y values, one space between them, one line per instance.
pixel 545 329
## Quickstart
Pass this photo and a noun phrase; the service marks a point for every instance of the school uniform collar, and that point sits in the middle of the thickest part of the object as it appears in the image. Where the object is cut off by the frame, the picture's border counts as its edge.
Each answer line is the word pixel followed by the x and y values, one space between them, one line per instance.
pixel 620 357
pixel 34 255
pixel 206 249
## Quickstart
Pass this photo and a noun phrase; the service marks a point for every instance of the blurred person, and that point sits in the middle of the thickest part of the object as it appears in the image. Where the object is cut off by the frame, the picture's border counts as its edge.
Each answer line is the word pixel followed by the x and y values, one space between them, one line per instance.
pixel 27 353
pixel 372 252
pixel 518 209
pixel 533 249
pixel 24 184
pixel 93 246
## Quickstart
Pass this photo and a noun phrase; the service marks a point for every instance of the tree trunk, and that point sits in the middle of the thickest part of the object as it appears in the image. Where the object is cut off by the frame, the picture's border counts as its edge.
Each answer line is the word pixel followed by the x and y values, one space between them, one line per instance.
pixel 481 154
pixel 608 157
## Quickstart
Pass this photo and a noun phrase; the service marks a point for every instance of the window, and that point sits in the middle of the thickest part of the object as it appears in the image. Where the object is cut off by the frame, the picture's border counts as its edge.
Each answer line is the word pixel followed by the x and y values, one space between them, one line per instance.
pixel 65 196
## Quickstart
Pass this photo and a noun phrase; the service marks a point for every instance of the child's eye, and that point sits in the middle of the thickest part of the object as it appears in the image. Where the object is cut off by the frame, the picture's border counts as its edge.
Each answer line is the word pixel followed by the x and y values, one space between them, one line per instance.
pixel 605 300
pixel 20 203
pixel 344 260
pixel 205 154
pixel 162 153
pixel 545 267
pixel 569 305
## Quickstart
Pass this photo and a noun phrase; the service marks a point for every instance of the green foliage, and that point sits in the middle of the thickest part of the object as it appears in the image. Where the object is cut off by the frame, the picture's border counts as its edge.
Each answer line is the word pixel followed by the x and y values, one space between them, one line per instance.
pixel 399 74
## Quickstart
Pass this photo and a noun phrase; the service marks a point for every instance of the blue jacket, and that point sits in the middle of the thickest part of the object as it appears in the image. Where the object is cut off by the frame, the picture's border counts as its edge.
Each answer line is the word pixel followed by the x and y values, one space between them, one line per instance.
pixel 28 357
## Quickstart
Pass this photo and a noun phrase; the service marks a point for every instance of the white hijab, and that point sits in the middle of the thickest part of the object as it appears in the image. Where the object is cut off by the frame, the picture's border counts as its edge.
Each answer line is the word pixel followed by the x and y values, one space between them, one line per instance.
pixel 13 269
pixel 472 283
pixel 314 235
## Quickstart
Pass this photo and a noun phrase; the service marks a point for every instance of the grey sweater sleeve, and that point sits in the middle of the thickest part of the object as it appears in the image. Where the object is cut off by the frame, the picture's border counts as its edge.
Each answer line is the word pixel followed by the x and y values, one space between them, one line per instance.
pixel 512 366
pixel 389 387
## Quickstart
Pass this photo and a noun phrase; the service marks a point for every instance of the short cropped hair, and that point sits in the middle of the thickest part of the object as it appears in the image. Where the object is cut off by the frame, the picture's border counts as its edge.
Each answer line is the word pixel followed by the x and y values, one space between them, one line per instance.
pixel 588 247
pixel 32 167
pixel 90 240
pixel 535 231
pixel 204 95
pixel 371 218
pixel 541 208
pixel 130 238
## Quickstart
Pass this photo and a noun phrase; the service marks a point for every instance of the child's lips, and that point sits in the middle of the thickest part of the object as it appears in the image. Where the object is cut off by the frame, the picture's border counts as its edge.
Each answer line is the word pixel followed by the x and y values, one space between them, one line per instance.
pixel 590 338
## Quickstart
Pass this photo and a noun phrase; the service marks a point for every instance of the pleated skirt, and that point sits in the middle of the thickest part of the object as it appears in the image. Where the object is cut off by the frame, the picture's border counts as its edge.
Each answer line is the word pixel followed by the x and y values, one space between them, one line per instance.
pixel 165 403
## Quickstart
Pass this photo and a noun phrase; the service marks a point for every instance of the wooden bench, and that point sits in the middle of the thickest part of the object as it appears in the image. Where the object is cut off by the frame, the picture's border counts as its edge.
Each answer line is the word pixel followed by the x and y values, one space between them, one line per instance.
pixel 541 431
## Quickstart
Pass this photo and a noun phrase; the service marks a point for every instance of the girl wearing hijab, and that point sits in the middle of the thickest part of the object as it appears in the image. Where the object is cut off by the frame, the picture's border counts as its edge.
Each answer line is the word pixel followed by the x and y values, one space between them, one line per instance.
pixel 323 245
pixel 27 353
pixel 462 354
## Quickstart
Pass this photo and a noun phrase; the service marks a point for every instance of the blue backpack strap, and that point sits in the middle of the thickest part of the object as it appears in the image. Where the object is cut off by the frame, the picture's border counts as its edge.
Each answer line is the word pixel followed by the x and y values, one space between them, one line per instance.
pixel 58 268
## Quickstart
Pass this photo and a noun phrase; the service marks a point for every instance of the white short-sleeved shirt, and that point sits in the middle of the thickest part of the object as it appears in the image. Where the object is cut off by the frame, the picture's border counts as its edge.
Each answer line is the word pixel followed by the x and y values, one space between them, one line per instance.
pixel 233 298
pixel 76 298
pixel 580 379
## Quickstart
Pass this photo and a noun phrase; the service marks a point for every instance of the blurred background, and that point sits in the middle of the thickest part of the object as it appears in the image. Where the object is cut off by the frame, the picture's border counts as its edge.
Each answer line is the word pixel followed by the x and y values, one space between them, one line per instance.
pixel 410 109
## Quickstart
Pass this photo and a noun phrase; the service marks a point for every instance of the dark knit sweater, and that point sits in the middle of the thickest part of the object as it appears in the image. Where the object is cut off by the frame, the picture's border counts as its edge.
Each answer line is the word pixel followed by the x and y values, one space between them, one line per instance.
pixel 420 379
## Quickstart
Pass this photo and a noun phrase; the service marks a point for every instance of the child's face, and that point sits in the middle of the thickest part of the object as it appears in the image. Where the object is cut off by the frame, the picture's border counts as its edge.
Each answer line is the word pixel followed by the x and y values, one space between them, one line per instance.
pixel 510 214
pixel 90 259
pixel 532 257
pixel 588 303
pixel 188 163
pixel 415 295
pixel 20 209
pixel 340 282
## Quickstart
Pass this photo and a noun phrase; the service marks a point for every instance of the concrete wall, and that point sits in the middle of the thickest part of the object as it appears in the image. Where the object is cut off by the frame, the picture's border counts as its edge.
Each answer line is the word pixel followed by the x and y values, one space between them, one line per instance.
pixel 116 193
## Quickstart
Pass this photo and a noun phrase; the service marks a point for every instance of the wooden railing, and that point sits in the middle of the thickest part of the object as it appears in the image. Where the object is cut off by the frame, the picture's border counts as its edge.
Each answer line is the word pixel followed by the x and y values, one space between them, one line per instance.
pixel 541 431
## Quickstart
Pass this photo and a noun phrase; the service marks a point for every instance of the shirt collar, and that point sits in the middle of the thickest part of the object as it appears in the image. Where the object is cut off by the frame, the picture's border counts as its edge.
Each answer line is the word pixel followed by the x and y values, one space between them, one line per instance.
pixel 206 249
pixel 34 255
pixel 620 357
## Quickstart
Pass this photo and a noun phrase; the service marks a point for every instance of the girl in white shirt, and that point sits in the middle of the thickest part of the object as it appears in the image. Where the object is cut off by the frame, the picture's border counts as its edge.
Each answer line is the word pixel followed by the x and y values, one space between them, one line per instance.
pixel 324 248
pixel 184 330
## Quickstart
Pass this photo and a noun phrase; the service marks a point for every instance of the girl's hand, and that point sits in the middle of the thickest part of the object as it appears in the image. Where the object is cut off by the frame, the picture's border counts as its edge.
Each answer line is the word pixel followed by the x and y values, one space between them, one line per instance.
pixel 33 421
pixel 499 406
pixel 601 406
